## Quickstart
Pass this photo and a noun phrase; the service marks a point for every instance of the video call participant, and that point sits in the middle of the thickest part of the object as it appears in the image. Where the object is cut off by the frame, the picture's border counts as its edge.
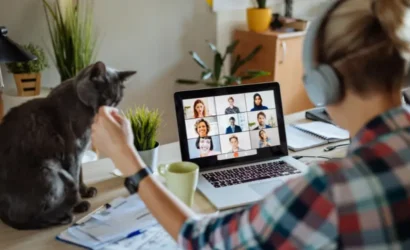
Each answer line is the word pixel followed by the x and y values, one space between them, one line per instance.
pixel 234 144
pixel 261 121
pixel 199 109
pixel 264 140
pixel 205 146
pixel 231 109
pixel 202 127
pixel 233 128
pixel 257 103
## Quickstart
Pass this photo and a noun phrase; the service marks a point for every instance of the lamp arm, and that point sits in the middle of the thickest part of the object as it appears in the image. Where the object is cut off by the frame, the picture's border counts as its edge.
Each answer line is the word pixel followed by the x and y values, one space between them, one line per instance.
pixel 1 81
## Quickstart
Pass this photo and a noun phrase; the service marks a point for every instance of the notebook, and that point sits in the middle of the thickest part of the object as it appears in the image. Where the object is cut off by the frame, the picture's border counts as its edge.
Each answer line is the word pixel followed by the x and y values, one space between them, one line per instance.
pixel 313 134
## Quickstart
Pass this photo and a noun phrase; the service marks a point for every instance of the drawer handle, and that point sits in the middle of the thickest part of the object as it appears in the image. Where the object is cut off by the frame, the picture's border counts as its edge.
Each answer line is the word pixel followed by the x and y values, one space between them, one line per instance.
pixel 284 50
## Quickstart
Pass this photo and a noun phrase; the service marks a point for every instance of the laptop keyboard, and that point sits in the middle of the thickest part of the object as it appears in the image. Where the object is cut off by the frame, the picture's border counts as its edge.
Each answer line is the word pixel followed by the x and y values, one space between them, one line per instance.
pixel 255 172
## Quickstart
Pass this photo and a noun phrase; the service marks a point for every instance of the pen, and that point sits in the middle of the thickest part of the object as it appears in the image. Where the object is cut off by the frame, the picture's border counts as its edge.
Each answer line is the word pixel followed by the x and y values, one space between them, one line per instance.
pixel 88 216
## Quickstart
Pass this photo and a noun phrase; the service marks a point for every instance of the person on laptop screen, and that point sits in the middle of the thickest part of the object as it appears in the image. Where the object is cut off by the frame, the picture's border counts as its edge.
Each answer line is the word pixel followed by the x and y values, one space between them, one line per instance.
pixel 233 128
pixel 261 116
pixel 202 127
pixel 234 141
pixel 257 103
pixel 231 109
pixel 199 109
pixel 264 141
pixel 206 146
pixel 356 59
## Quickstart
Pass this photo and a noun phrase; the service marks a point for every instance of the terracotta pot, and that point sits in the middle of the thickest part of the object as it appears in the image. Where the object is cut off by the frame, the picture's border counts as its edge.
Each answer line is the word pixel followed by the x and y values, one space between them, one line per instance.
pixel 28 84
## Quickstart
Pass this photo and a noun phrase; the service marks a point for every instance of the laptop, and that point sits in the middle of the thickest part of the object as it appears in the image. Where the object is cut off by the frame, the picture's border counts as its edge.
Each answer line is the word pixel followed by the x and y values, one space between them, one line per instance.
pixel 237 136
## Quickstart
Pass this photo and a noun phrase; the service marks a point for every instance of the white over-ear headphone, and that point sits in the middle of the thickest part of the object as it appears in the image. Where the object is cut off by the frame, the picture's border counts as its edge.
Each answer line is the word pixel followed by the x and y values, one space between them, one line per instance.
pixel 321 81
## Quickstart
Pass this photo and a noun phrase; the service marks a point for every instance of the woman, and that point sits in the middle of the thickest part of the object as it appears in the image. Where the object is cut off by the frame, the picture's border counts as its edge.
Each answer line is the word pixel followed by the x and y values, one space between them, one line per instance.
pixel 358 202
pixel 202 127
pixel 205 146
pixel 199 109
pixel 257 103
pixel 264 141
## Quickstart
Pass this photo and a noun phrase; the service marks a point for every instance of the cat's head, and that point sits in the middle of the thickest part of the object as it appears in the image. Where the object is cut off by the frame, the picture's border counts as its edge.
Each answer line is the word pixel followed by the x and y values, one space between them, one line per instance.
pixel 98 85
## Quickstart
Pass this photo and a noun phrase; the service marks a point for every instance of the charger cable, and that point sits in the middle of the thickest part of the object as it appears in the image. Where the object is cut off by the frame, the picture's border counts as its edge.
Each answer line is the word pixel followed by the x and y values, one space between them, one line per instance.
pixel 330 148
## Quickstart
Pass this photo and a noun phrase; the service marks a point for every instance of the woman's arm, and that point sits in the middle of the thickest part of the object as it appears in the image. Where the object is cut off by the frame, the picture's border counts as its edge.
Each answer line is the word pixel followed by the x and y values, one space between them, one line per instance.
pixel 170 212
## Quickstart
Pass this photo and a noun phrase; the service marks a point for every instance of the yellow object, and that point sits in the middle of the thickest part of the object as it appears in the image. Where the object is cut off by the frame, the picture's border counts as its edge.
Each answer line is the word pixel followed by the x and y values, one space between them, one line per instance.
pixel 259 19
pixel 210 2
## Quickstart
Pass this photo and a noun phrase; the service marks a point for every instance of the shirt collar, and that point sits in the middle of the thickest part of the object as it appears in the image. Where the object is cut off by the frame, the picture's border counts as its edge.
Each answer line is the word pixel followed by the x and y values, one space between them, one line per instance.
pixel 387 123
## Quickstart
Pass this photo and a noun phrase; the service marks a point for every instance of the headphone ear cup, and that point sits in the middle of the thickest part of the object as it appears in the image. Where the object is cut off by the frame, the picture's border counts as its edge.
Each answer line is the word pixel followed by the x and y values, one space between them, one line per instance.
pixel 314 86
pixel 331 84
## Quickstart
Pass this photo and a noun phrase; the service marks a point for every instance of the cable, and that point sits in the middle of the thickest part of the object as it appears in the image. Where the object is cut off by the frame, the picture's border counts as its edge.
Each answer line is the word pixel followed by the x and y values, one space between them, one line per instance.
pixel 297 157
pixel 330 148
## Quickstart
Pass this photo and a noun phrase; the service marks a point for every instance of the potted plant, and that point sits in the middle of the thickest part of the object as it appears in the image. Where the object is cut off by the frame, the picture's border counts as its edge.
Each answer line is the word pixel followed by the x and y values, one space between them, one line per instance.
pixel 72 35
pixel 27 75
pixel 145 125
pixel 259 18
pixel 214 76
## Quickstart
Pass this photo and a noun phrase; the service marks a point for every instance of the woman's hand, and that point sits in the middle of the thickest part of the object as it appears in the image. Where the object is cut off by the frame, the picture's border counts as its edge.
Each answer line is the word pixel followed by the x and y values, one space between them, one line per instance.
pixel 112 136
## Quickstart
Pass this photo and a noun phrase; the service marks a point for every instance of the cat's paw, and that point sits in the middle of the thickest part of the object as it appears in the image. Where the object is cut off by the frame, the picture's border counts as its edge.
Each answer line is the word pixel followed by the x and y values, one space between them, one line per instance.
pixel 67 219
pixel 82 207
pixel 88 192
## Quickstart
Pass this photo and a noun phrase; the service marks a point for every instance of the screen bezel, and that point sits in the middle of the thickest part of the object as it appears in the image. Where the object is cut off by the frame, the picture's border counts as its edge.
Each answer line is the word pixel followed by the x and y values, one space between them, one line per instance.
pixel 212 161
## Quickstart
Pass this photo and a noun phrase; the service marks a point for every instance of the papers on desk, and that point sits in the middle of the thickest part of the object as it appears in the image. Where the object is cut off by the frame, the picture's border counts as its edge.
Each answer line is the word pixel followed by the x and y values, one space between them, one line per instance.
pixel 312 134
pixel 124 218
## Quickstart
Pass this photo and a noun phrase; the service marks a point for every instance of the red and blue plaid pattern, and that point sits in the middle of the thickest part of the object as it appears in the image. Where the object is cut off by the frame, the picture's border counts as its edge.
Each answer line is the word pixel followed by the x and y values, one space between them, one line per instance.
pixel 360 202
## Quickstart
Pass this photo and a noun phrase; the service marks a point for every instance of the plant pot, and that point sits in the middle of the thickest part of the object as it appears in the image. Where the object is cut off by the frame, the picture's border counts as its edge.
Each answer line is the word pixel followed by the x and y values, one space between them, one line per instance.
pixel 28 84
pixel 150 157
pixel 259 19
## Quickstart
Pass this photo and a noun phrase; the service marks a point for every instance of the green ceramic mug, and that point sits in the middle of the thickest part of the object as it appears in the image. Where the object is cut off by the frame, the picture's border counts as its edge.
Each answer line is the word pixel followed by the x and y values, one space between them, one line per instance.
pixel 181 178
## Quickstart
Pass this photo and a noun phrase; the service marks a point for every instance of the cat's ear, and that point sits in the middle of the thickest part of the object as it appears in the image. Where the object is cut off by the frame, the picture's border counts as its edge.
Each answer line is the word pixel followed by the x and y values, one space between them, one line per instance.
pixel 125 75
pixel 98 71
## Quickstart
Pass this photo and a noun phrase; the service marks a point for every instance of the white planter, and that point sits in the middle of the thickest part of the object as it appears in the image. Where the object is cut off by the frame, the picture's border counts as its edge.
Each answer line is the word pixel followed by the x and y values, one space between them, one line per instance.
pixel 150 157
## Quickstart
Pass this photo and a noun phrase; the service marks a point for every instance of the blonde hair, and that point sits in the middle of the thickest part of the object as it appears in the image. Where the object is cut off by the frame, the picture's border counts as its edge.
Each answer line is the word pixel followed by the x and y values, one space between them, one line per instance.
pixel 368 42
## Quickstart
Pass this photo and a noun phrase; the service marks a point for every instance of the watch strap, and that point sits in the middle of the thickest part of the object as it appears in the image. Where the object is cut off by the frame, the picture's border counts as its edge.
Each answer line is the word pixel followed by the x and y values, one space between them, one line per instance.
pixel 132 182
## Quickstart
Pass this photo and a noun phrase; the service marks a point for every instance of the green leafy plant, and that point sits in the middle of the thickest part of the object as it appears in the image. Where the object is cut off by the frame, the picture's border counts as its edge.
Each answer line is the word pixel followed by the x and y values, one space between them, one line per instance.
pixel 145 125
pixel 261 4
pixel 72 36
pixel 34 66
pixel 213 77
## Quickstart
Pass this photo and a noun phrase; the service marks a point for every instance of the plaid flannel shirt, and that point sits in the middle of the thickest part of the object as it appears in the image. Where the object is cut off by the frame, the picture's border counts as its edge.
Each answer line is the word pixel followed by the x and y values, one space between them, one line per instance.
pixel 361 201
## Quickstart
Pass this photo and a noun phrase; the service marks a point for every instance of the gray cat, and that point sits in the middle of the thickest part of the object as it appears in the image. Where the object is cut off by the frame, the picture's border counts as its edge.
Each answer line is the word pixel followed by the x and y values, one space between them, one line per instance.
pixel 41 146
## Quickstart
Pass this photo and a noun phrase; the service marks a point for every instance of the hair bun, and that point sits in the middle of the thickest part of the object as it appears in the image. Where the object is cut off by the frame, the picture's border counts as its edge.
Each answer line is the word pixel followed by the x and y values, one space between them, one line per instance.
pixel 394 17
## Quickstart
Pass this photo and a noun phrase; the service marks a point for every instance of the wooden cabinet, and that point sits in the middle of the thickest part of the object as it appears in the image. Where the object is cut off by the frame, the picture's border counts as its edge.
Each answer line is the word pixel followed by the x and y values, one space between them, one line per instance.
pixel 281 55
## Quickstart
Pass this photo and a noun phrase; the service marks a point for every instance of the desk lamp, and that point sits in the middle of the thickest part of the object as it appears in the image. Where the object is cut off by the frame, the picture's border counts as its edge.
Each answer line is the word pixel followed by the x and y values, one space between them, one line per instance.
pixel 11 52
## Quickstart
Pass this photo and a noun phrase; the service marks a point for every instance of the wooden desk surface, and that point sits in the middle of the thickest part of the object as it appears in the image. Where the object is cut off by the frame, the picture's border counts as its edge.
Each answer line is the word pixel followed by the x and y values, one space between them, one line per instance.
pixel 98 174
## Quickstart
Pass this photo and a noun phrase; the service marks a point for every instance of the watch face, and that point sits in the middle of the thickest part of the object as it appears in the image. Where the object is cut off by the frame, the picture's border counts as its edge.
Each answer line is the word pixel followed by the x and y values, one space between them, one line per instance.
pixel 130 186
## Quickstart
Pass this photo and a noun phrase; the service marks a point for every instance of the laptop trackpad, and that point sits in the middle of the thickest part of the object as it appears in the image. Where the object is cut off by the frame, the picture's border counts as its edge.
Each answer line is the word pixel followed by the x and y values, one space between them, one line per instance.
pixel 265 188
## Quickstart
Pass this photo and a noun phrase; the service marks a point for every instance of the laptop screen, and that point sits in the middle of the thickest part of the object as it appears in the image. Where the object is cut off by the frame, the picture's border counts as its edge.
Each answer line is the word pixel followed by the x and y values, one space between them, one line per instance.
pixel 230 124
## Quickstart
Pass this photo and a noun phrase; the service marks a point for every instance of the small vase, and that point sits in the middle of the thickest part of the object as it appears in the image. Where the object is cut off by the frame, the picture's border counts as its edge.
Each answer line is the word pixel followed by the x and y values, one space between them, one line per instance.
pixel 28 84
pixel 259 19
pixel 150 157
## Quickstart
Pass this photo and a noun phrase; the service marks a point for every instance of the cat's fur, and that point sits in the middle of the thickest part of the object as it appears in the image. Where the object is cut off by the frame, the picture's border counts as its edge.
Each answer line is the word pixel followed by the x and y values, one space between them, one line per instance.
pixel 41 146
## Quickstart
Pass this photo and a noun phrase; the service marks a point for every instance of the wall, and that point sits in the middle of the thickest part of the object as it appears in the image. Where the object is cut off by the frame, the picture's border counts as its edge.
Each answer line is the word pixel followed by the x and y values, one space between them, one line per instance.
pixel 152 37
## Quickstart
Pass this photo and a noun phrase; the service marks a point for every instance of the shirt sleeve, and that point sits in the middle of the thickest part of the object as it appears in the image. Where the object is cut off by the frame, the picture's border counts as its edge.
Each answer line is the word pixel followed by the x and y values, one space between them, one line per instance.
pixel 299 214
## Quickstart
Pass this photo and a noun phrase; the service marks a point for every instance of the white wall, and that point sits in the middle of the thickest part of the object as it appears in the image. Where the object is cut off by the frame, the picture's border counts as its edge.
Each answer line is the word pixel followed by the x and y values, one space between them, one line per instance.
pixel 152 37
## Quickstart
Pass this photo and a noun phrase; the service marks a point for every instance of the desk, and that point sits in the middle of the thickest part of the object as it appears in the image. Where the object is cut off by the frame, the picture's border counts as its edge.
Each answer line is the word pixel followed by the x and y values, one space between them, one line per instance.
pixel 98 174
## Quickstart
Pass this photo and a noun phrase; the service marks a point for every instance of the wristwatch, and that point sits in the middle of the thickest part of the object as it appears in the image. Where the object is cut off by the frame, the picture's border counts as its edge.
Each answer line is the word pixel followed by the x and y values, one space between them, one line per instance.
pixel 132 182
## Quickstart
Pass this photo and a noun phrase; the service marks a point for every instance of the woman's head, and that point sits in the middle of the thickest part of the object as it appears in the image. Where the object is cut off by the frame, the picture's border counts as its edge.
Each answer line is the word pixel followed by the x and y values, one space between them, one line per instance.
pixel 204 144
pixel 262 134
pixel 199 109
pixel 257 100
pixel 202 127
pixel 367 43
